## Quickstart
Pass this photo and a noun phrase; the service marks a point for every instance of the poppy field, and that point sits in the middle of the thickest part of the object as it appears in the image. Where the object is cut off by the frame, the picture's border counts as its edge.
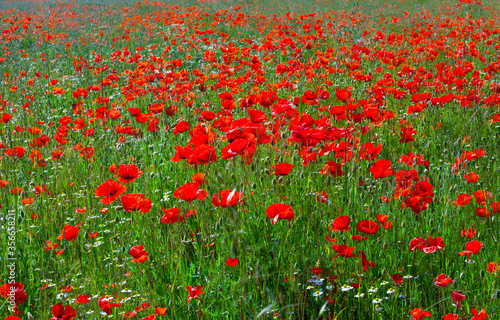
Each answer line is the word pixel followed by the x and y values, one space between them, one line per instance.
pixel 250 160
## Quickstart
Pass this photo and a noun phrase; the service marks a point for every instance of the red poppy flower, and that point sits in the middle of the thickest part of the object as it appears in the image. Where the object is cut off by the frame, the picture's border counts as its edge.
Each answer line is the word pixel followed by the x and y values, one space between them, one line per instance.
pixel 442 281
pixel 135 201
pixel 469 233
pixel 457 296
pixel 479 316
pixel 482 212
pixel 381 169
pixel 474 246
pixel 343 95
pixel 280 211
pixel 200 178
pixel 232 262
pixel 420 196
pixel 282 169
pixel 481 196
pixel 190 191
pixel 128 173
pixel 171 215
pixel 322 197
pixel 342 223
pixel 495 207
pixel 160 311
pixel 194 292
pixel 226 198
pixel 463 199
pixel 492 267
pixel 332 168
pixel 367 227
pixel 203 154
pixel 69 233
pixel 18 289
pixel 419 314
pixel 83 299
pixel 343 251
pixel 61 312
pixel 181 127
pixel 110 190
pixel 471 177
pixel 105 305
pixel 364 261
pixel 397 278
pixel 139 254
pixel 368 151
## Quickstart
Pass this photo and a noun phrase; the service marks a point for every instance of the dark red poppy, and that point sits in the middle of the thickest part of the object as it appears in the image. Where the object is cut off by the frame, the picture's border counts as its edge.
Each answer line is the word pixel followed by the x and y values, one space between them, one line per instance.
pixel 367 227
pixel 128 173
pixel 397 278
pixel 343 251
pixel 135 201
pixel 280 211
pixel 110 190
pixel 61 312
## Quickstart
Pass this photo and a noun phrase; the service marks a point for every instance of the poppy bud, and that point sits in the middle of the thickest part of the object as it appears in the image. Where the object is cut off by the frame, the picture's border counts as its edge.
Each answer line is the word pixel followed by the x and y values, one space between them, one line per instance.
pixel 496 294
pixel 30 317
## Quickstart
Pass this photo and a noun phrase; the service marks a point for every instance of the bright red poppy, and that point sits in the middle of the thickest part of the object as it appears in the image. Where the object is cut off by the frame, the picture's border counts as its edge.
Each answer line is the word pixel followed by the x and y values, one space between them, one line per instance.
pixel 128 173
pixel 381 169
pixel 18 289
pixel 420 196
pixel 419 314
pixel 194 293
pixel 463 200
pixel 282 169
pixel 442 281
pixel 171 215
pixel 110 190
pixel 280 211
pixel 135 202
pixel 226 198
pixel 105 305
pixel 139 254
pixel 333 169
pixel 69 232
pixel 232 262
pixel 342 223
pixel 369 152
pixel 190 191
pixel 367 227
